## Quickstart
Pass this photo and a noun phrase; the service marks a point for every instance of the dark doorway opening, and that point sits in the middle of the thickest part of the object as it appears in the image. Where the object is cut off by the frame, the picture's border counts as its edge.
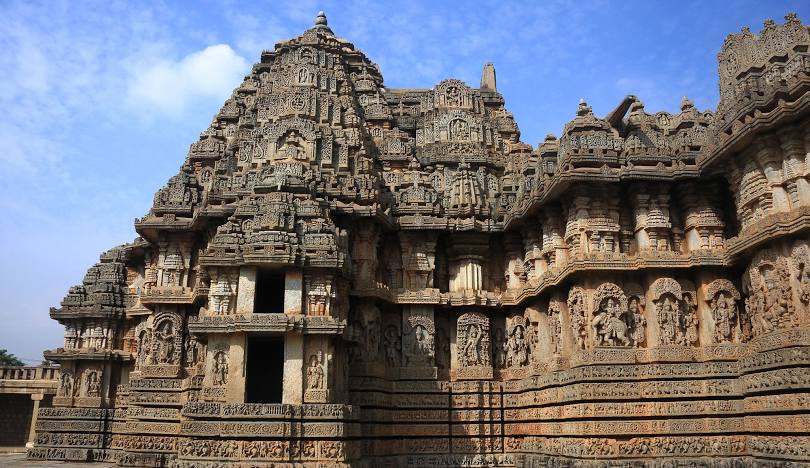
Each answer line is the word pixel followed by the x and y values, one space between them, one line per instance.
pixel 269 292
pixel 265 370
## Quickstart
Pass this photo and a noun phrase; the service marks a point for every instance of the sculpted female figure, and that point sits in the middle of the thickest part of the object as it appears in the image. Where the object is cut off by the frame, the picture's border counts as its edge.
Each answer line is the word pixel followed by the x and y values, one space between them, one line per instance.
pixel 472 353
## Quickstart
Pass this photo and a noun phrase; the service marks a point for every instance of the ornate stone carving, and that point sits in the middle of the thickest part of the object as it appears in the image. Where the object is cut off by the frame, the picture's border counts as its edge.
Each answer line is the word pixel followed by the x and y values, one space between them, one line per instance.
pixel 576 312
pixel 420 240
pixel 555 307
pixel 800 256
pixel 418 342
pixel 517 344
pixel 770 303
pixel 670 312
pixel 166 339
pixel 636 321
pixel 92 383
pixel 320 293
pixel 393 346
pixel 315 373
pixel 219 368
pixel 722 297
pixel 608 323
pixel 222 292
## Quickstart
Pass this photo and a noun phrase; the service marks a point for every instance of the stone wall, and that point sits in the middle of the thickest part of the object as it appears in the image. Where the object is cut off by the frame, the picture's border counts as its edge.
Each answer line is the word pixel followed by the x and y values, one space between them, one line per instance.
pixel 16 420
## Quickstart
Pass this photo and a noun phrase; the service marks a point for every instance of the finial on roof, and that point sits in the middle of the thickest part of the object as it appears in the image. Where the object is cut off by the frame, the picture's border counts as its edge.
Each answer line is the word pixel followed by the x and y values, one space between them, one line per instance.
pixel 488 77
pixel 686 104
pixel 321 23
pixel 583 108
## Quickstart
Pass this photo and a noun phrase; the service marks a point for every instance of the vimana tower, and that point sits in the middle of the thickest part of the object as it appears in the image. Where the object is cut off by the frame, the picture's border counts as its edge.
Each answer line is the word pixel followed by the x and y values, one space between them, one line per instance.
pixel 343 274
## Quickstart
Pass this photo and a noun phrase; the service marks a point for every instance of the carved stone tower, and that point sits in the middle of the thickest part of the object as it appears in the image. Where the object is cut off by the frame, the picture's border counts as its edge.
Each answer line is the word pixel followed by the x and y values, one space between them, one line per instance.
pixel 344 274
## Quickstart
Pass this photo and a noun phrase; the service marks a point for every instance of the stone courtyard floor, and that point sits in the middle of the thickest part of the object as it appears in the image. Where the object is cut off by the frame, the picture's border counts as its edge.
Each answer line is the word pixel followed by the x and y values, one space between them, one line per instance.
pixel 18 460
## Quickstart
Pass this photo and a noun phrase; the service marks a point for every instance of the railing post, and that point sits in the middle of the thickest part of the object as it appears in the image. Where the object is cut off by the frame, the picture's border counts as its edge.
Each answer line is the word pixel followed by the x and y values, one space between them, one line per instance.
pixel 32 433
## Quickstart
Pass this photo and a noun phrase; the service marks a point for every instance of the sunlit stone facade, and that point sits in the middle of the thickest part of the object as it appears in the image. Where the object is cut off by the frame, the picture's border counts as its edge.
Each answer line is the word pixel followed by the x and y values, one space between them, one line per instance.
pixel 346 274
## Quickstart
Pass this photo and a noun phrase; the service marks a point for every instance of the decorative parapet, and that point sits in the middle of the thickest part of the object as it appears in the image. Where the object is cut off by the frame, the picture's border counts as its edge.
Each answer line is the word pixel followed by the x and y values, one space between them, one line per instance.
pixel 266 323
pixel 755 68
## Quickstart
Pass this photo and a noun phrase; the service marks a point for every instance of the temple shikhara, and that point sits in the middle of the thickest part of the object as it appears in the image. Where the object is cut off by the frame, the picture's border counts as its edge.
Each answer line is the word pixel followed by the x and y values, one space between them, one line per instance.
pixel 343 274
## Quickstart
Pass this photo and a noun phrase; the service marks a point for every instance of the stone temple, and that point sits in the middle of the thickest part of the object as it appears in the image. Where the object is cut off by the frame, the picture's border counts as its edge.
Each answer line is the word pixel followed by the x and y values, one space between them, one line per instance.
pixel 343 274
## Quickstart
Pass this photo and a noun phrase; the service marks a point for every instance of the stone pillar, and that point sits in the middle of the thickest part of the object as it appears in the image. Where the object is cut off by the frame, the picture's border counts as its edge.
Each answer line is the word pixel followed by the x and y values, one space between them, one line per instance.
pixel 32 432
pixel 236 345
pixel 468 274
pixel 293 292
pixel 467 258
pixel 246 291
pixel 768 153
pixel 293 390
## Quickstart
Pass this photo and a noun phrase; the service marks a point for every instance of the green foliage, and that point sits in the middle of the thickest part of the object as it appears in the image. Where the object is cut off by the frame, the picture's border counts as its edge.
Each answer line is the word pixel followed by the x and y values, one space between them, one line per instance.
pixel 8 359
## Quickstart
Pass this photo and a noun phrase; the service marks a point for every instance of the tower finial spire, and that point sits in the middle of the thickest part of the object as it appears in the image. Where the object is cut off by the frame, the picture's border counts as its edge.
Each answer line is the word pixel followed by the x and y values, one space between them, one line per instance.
pixel 321 24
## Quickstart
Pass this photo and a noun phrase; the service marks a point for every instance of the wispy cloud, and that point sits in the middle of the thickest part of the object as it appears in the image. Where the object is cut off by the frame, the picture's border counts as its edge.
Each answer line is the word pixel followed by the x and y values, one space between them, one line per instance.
pixel 169 86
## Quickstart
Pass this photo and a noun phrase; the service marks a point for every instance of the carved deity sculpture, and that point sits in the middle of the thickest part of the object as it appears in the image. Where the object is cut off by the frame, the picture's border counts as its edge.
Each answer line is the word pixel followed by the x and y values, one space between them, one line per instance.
pixel 722 297
pixel 636 322
pixel 668 320
pixel 517 349
pixel 608 325
pixel 474 346
pixel 770 302
pixel 418 340
pixel 220 368
pixel 576 311
pixel 555 325
pixel 422 338
pixel 677 318
pixel 144 346
pixel 165 335
pixel 689 319
pixel 93 385
pixel 459 130
pixel 194 350
pixel 292 149
pixel 392 345
pixel 801 263
pixel 66 384
pixel 315 373
pixel 371 341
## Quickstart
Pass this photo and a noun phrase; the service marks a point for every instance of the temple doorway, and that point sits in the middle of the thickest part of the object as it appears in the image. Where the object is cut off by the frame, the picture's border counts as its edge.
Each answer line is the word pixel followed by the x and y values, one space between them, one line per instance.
pixel 265 370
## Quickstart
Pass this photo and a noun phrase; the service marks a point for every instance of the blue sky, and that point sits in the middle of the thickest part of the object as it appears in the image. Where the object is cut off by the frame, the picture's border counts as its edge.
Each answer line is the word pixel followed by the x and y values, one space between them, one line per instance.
pixel 101 99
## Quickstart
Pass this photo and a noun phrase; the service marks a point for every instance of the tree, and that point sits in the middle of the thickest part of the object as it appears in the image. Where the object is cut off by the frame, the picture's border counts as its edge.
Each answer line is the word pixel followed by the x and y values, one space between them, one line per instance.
pixel 8 359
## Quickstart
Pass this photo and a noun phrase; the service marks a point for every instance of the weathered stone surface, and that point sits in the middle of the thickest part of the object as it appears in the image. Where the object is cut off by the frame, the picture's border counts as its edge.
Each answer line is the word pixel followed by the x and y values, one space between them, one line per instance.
pixel 634 292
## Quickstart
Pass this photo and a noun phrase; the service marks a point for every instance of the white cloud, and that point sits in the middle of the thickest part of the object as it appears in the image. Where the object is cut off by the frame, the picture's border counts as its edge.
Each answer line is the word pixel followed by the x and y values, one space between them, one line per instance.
pixel 170 86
